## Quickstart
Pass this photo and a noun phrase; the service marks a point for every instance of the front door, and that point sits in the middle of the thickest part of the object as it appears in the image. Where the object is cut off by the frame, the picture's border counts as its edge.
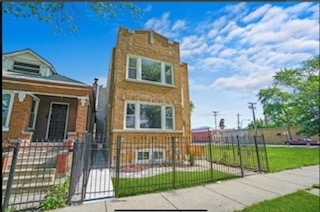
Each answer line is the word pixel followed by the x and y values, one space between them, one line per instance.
pixel 57 121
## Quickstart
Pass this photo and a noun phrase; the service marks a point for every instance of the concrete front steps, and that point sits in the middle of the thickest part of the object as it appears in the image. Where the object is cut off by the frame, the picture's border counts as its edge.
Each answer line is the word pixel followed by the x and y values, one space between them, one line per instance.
pixel 35 168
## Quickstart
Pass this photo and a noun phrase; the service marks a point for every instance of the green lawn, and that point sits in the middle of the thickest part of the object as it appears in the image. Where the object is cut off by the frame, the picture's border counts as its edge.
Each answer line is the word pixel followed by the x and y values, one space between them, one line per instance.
pixel 279 158
pixel 298 201
pixel 165 181
pixel 282 158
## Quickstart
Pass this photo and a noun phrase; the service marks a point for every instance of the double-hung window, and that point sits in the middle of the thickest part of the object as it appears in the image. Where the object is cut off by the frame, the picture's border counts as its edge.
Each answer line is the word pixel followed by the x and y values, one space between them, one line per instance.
pixel 141 115
pixel 148 70
pixel 7 102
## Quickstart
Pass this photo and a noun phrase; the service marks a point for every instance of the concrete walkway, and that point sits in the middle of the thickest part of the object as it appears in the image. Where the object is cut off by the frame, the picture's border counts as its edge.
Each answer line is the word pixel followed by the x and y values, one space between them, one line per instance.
pixel 228 195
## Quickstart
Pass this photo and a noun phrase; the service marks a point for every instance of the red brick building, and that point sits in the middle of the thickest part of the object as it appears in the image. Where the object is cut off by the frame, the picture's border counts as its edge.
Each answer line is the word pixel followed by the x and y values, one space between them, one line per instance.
pixel 40 104
pixel 202 134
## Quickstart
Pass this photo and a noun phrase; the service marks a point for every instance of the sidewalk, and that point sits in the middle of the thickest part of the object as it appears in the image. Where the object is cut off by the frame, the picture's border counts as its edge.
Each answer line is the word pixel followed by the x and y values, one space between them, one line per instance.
pixel 228 195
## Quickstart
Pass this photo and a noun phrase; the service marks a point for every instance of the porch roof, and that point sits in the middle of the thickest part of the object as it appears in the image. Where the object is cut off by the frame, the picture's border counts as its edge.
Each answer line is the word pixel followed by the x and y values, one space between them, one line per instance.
pixel 53 77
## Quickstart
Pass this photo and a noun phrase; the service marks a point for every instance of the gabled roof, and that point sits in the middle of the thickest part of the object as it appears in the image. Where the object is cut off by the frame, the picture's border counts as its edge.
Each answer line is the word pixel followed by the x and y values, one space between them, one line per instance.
pixel 55 77
pixel 23 51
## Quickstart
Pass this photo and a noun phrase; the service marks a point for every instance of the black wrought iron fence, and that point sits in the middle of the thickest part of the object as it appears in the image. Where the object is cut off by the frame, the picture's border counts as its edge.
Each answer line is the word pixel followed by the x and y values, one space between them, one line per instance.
pixel 30 169
pixel 148 164
pixel 100 168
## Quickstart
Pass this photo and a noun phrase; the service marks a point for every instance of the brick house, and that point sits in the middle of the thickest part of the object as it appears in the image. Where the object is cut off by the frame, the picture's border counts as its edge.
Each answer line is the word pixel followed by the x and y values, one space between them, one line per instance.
pixel 40 104
pixel 202 134
pixel 147 92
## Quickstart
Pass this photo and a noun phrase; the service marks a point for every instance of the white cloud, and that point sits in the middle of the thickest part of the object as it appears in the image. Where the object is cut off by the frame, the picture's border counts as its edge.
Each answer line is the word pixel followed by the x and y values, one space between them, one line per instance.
pixel 295 10
pixel 161 25
pixel 164 26
pixel 179 24
pixel 227 53
pixel 192 45
pixel 235 55
pixel 257 13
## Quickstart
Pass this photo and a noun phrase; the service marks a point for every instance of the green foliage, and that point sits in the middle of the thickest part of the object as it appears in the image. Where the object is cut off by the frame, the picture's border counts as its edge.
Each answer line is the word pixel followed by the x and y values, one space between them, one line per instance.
pixel 294 98
pixel 261 124
pixel 59 14
pixel 317 185
pixel 191 159
pixel 151 71
pixel 56 197
pixel 10 208
pixel 191 106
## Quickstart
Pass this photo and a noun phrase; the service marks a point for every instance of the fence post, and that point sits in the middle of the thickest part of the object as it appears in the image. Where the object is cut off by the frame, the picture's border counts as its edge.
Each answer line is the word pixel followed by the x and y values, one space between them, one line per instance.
pixel 86 149
pixel 73 169
pixel 211 157
pixel 233 151
pixel 173 161
pixel 240 156
pixel 11 175
pixel 118 165
pixel 257 152
pixel 265 152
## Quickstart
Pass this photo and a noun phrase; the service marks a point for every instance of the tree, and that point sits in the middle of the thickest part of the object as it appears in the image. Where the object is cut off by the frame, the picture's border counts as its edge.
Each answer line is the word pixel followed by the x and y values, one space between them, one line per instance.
pixel 61 13
pixel 260 123
pixel 191 106
pixel 294 98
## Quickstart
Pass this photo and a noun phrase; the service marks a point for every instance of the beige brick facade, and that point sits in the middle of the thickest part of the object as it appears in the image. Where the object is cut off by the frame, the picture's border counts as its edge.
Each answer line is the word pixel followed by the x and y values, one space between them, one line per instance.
pixel 151 46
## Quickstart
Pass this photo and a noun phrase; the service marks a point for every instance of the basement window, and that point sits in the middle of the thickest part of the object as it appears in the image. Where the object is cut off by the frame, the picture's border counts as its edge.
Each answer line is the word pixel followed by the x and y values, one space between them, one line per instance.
pixel 152 155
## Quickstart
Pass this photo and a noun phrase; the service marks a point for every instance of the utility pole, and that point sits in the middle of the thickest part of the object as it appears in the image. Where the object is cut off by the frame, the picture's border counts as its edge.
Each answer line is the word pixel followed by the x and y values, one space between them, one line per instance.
pixel 254 117
pixel 255 133
pixel 215 120
pixel 238 121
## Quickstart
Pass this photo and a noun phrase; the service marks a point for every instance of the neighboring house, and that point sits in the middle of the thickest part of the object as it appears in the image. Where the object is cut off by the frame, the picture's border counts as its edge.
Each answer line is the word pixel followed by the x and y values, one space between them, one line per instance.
pixel 202 134
pixel 148 91
pixel 40 104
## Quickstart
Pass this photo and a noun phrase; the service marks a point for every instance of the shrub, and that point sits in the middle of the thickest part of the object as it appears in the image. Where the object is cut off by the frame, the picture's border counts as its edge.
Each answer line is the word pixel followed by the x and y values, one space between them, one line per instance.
pixel 10 208
pixel 191 159
pixel 56 197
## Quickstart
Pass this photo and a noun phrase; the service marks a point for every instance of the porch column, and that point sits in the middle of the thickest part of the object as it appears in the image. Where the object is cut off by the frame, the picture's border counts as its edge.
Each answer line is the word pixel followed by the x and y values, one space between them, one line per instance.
pixel 82 116
pixel 19 120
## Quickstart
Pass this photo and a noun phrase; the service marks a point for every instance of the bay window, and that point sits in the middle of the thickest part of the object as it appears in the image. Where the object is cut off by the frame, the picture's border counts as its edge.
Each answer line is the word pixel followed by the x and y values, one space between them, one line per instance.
pixel 143 69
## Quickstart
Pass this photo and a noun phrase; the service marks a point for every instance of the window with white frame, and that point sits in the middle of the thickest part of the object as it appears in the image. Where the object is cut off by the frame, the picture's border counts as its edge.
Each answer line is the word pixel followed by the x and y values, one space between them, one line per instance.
pixel 141 115
pixel 155 155
pixel 144 69
pixel 7 102
pixel 33 114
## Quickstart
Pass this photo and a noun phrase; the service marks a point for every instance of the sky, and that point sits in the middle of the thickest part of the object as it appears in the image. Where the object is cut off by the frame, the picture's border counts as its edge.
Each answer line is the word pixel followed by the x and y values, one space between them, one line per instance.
pixel 232 49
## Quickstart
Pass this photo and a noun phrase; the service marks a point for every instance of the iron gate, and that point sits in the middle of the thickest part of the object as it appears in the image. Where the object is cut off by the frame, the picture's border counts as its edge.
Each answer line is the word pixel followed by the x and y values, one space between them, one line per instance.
pixel 90 176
